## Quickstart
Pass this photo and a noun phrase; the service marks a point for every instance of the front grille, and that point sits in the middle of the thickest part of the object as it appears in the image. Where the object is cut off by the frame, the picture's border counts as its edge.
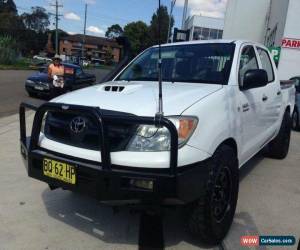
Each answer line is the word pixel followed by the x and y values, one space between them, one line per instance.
pixel 45 85
pixel 58 128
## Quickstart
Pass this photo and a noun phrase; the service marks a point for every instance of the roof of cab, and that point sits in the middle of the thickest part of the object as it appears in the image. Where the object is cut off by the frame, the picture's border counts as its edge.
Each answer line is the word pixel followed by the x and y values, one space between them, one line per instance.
pixel 199 42
pixel 237 42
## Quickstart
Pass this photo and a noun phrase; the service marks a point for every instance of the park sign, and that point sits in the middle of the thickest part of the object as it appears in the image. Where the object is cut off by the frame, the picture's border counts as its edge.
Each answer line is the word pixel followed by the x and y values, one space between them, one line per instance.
pixel 275 53
pixel 291 43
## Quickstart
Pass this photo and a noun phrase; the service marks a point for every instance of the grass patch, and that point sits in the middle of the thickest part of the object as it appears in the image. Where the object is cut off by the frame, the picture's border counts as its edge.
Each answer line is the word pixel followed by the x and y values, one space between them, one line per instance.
pixel 21 64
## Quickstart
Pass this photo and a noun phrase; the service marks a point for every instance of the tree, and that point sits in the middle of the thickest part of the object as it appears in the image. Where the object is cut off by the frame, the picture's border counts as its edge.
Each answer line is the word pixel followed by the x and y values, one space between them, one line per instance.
pixel 11 22
pixel 8 6
pixel 27 40
pixel 38 20
pixel 138 35
pixel 161 15
pixel 8 50
pixel 114 31
pixel 9 19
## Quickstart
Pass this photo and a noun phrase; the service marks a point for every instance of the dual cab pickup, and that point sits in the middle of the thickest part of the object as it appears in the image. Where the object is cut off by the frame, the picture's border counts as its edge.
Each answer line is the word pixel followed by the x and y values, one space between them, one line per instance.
pixel 223 103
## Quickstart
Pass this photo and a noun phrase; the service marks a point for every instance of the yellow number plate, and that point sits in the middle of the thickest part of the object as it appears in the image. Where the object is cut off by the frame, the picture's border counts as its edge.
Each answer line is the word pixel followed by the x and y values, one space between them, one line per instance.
pixel 59 170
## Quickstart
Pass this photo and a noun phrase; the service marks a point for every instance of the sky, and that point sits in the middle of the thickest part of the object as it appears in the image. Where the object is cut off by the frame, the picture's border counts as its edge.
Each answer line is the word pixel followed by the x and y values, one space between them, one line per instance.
pixel 104 13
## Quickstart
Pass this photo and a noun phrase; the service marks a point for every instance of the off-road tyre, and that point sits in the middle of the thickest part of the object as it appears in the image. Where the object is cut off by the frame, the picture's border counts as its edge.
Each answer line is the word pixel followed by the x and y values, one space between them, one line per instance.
pixel 205 220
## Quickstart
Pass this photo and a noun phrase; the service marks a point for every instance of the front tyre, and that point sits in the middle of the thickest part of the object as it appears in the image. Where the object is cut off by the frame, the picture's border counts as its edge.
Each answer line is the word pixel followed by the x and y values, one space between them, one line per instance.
pixel 211 216
pixel 279 146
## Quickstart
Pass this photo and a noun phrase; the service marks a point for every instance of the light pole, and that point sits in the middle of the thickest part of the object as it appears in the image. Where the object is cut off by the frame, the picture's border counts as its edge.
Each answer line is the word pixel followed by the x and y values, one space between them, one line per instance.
pixel 56 5
pixel 185 9
pixel 173 2
pixel 84 34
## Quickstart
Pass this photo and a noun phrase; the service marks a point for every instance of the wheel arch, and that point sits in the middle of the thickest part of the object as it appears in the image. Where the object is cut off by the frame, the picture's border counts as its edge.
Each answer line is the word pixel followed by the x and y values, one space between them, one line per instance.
pixel 230 142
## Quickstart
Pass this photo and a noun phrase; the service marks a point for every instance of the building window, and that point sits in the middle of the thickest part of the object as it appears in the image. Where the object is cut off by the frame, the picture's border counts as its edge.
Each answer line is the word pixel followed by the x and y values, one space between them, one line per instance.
pixel 205 33
pixel 220 34
pixel 201 33
pixel 213 34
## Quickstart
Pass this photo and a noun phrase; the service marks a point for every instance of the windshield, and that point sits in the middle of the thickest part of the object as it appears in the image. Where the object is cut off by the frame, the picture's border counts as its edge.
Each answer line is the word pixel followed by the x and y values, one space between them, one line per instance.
pixel 199 63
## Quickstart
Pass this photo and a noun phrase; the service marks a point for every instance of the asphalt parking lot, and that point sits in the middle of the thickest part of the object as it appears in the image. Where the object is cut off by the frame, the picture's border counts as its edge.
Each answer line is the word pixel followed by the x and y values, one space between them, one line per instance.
pixel 33 217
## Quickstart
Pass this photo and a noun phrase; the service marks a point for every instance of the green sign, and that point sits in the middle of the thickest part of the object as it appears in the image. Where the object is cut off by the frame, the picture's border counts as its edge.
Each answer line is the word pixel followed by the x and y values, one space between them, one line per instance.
pixel 275 52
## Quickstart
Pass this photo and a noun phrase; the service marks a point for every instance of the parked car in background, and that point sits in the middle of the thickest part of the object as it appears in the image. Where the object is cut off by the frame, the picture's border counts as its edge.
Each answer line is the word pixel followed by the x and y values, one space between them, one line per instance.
pixel 97 62
pixel 41 58
pixel 39 84
pixel 296 114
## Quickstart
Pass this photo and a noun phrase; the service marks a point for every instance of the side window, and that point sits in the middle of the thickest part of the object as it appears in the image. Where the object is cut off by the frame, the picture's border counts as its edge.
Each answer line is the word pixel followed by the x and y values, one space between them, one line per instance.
pixel 266 63
pixel 79 72
pixel 247 61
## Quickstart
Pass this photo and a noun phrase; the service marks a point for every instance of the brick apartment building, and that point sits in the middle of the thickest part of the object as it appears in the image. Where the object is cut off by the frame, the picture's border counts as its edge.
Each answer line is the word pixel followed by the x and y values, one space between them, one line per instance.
pixel 95 47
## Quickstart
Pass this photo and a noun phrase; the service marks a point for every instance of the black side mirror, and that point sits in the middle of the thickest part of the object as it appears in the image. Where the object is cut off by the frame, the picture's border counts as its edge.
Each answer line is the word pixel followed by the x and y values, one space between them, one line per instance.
pixel 255 78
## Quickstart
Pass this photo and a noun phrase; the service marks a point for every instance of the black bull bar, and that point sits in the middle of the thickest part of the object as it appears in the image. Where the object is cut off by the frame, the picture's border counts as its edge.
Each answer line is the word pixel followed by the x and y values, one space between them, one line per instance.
pixel 28 144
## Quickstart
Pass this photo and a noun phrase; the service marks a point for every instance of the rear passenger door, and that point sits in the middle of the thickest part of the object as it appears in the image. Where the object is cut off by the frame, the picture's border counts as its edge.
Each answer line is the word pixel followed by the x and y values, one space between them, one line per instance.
pixel 271 95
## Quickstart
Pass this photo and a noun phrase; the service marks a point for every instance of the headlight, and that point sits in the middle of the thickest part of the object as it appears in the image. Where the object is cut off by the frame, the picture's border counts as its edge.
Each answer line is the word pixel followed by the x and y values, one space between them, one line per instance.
pixel 30 82
pixel 151 139
pixel 44 123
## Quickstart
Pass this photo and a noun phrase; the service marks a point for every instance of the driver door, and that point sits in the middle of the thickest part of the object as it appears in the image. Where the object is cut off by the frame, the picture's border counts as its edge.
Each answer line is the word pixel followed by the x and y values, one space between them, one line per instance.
pixel 250 107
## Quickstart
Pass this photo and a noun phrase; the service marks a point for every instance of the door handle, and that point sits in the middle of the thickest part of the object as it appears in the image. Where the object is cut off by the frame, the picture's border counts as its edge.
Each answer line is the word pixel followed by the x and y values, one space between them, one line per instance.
pixel 265 98
pixel 245 107
pixel 279 92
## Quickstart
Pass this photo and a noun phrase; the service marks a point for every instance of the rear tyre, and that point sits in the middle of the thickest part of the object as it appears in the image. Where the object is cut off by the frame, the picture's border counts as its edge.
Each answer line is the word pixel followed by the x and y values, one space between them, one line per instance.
pixel 210 217
pixel 278 148
pixel 296 120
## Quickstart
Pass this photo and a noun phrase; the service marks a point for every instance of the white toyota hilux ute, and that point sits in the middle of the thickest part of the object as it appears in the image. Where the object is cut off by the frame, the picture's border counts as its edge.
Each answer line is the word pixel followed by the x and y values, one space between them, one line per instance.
pixel 222 104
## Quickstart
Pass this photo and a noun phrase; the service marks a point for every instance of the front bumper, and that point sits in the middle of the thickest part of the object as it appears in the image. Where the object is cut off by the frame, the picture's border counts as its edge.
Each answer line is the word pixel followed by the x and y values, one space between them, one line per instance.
pixel 108 182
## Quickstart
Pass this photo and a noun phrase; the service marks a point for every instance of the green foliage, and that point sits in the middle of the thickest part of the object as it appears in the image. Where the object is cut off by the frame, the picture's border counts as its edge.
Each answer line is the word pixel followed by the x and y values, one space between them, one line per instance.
pixel 141 36
pixel 8 50
pixel 138 35
pixel 9 16
pixel 8 7
pixel 114 31
pixel 38 20
pixel 29 40
pixel 161 15
pixel 11 22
